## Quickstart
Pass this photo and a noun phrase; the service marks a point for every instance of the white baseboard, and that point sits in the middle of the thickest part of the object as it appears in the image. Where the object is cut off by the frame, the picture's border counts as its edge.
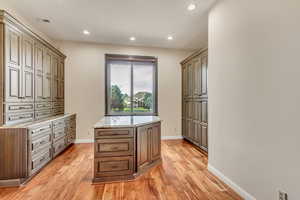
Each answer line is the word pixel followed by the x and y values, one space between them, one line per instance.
pixel 177 137
pixel 78 141
pixel 230 183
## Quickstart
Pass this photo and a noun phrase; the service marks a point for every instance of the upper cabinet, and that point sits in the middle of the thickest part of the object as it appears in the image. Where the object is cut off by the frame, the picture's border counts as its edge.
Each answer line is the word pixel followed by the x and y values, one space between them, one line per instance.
pixel 13 63
pixel 31 74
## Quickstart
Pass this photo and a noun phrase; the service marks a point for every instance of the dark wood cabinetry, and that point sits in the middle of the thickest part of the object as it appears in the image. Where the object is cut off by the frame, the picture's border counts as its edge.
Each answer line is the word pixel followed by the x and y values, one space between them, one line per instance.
pixel 26 150
pixel 33 72
pixel 194 99
pixel 29 66
pixel 124 153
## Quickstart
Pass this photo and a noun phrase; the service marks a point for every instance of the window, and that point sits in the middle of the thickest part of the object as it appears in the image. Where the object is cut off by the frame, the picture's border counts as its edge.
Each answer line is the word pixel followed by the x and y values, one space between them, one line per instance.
pixel 131 85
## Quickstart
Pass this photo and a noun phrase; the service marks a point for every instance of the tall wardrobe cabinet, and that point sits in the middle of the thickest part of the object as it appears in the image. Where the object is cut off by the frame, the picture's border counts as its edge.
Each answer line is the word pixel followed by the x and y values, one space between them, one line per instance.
pixel 194 99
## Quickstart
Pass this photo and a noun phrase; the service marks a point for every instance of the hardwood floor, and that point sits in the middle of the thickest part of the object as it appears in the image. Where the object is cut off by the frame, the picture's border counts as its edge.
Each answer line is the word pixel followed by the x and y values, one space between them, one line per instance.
pixel 182 176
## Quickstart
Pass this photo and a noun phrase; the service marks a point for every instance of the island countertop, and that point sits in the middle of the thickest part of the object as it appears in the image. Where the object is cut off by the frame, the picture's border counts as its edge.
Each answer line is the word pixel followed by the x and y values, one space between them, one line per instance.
pixel 125 121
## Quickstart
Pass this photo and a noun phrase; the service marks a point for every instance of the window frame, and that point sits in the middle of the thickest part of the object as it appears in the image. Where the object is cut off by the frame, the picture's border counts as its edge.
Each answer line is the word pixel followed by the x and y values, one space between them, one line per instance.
pixel 132 59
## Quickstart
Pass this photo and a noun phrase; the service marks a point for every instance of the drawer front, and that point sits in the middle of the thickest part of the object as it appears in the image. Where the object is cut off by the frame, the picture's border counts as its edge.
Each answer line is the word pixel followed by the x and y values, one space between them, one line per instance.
pixel 40 160
pixel 58 104
pixel 114 147
pixel 14 118
pixel 43 106
pixel 42 129
pixel 19 107
pixel 58 123
pixel 58 111
pixel 40 143
pixel 58 133
pixel 114 133
pixel 58 146
pixel 114 166
pixel 43 114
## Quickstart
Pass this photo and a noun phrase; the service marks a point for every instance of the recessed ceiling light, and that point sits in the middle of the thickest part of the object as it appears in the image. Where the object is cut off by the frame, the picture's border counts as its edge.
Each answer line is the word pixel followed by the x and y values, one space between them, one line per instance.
pixel 86 32
pixel 170 37
pixel 191 6
pixel 132 38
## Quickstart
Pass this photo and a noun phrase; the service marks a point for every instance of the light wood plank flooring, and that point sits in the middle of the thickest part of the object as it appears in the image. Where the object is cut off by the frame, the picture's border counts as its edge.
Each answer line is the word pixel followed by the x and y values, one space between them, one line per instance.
pixel 182 176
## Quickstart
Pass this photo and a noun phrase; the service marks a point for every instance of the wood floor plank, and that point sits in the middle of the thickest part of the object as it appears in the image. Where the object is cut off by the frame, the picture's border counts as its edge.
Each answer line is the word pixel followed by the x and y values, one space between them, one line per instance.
pixel 183 175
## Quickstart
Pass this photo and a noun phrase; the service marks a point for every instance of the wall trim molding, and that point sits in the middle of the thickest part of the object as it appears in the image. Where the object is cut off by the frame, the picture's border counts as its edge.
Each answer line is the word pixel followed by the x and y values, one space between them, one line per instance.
pixel 175 137
pixel 230 183
pixel 79 141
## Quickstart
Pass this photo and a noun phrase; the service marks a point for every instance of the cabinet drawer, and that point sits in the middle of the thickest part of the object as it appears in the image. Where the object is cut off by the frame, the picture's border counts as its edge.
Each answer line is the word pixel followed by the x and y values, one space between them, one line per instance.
pixel 58 146
pixel 58 104
pixel 13 118
pixel 58 111
pixel 40 160
pixel 58 133
pixel 113 133
pixel 40 143
pixel 19 107
pixel 43 114
pixel 43 106
pixel 114 147
pixel 58 123
pixel 113 166
pixel 42 129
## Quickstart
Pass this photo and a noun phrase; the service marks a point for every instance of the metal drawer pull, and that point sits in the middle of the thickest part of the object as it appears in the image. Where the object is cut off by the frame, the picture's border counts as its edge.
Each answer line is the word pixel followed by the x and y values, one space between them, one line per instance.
pixel 114 166
pixel 115 148
pixel 42 159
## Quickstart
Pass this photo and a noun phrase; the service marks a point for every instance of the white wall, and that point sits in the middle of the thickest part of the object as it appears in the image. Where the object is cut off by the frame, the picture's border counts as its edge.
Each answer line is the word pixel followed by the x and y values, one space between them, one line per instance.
pixel 254 95
pixel 84 90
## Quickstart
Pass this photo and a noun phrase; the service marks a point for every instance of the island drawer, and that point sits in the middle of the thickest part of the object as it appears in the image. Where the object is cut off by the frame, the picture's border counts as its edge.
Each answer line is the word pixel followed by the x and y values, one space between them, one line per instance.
pixel 114 133
pixel 114 147
pixel 58 146
pixel 40 160
pixel 114 166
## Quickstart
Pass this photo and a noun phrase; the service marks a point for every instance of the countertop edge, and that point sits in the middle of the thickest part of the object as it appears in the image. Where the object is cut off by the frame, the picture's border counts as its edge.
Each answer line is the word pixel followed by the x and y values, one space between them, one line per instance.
pixel 126 126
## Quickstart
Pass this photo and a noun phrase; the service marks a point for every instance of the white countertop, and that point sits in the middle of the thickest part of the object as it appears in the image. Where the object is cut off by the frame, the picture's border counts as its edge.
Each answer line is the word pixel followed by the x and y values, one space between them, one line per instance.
pixel 125 121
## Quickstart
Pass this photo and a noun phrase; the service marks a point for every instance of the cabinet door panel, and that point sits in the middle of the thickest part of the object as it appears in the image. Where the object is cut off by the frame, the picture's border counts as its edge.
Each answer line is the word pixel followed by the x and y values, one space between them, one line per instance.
pixel 204 138
pixel 47 63
pixel 39 58
pixel 39 87
pixel 197 77
pixel 14 83
pixel 13 66
pixel 204 111
pixel 28 70
pixel 47 88
pixel 204 75
pixel 143 148
pixel 155 142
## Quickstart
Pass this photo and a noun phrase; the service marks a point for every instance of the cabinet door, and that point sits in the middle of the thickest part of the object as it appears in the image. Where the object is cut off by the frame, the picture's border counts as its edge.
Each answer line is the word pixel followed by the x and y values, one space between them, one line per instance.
pixel 47 63
pixel 197 77
pixel 184 81
pixel 204 111
pixel 155 141
pixel 204 74
pixel 47 88
pixel 190 129
pixel 204 137
pixel 197 132
pixel 39 72
pixel 190 78
pixel 143 147
pixel 28 69
pixel 13 65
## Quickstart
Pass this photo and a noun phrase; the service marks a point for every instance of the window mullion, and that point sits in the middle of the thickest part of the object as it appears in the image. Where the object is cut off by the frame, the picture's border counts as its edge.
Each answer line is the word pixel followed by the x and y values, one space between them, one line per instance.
pixel 131 90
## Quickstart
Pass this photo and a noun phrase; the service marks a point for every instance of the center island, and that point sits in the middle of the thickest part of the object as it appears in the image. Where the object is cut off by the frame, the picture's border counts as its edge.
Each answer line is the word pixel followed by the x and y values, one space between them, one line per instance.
pixel 125 147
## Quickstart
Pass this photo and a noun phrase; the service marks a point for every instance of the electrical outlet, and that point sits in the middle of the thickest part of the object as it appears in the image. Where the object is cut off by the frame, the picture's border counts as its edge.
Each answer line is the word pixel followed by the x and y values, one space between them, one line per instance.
pixel 283 195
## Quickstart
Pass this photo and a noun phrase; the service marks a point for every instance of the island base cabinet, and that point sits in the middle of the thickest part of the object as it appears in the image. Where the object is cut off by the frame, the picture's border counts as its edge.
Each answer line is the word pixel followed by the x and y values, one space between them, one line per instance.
pixel 122 154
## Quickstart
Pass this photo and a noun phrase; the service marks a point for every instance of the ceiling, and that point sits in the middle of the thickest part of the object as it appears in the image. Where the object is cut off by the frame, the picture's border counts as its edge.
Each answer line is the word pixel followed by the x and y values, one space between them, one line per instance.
pixel 115 21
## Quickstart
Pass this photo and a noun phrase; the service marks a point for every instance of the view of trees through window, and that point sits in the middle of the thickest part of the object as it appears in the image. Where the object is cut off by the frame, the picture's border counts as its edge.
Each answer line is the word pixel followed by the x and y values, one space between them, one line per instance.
pixel 131 87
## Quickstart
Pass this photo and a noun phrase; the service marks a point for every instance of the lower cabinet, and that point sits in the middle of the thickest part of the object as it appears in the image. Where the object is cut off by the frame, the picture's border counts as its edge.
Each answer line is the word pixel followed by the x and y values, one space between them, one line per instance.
pixel 124 153
pixel 195 132
pixel 148 148
pixel 51 136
